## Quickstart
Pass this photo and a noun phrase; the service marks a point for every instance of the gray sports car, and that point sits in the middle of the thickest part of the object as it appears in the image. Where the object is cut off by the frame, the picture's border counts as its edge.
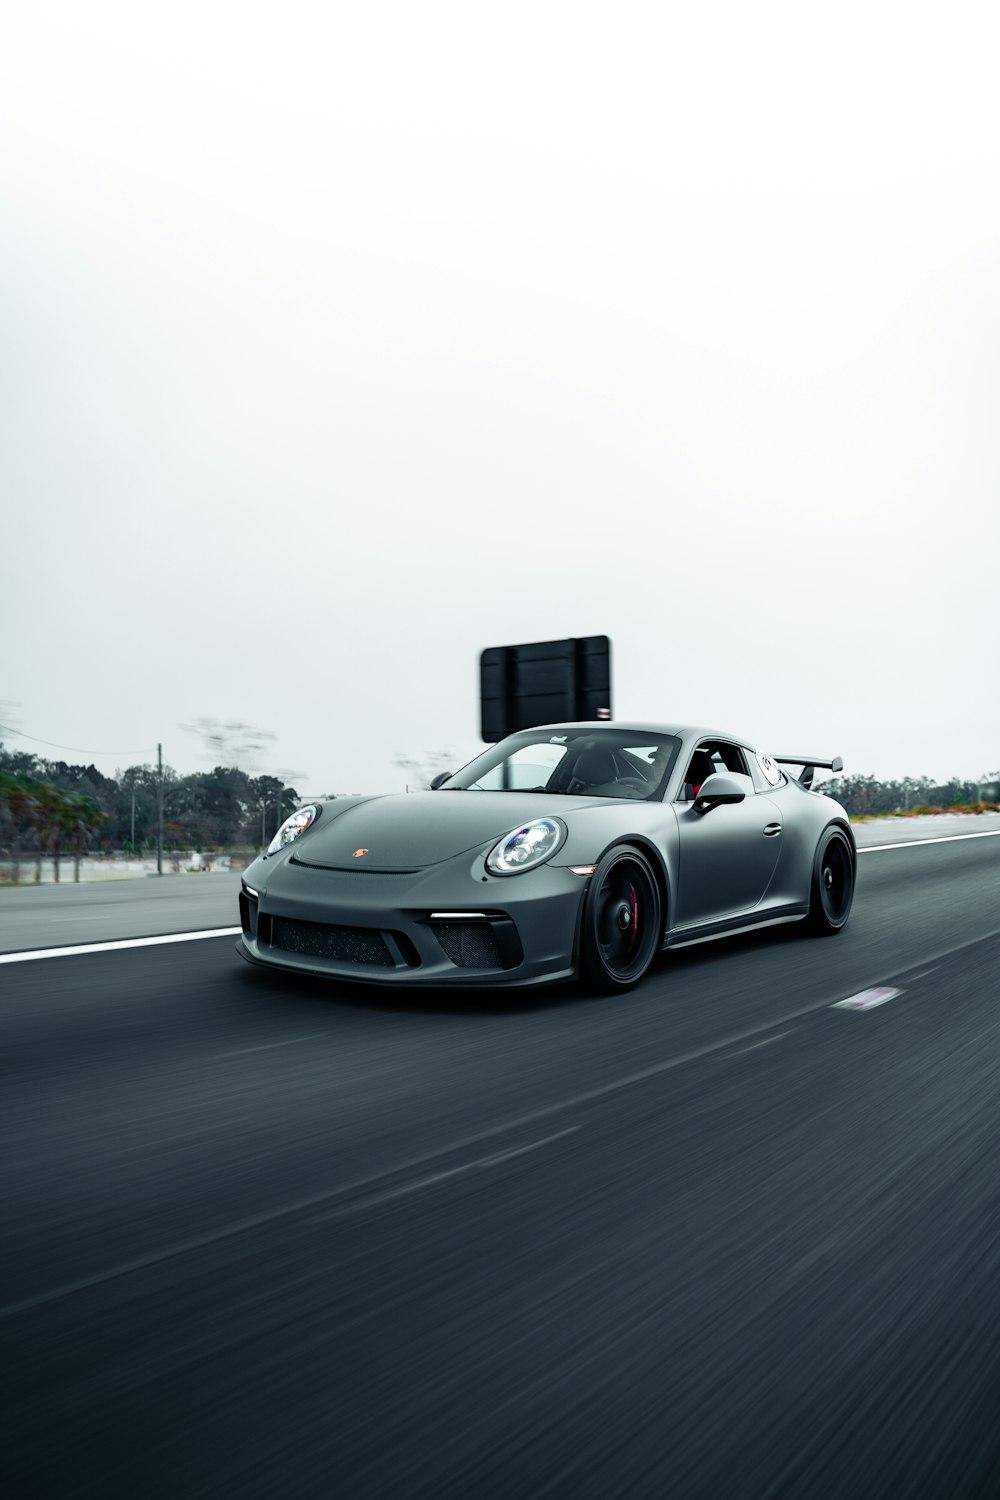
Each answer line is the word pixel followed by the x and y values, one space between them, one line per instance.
pixel 563 851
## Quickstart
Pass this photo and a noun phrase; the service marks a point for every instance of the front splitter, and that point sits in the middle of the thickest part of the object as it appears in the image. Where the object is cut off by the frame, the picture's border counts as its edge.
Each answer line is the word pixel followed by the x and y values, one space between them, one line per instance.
pixel 462 979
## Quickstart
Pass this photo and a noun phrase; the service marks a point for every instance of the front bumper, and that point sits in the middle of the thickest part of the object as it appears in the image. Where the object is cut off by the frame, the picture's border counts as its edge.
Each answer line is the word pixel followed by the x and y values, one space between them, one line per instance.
pixel 441 926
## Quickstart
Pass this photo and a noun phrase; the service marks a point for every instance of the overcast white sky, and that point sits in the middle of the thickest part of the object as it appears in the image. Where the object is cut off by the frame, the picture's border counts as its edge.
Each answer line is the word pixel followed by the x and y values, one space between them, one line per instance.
pixel 338 342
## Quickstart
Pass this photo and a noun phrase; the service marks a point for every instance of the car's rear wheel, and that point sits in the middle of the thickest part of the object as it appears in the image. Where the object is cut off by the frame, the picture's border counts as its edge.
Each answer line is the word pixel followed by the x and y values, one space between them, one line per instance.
pixel 621 921
pixel 832 883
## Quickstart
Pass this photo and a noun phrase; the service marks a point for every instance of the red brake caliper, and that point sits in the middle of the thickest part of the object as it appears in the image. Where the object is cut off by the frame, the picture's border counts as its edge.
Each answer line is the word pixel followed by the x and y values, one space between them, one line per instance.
pixel 633 929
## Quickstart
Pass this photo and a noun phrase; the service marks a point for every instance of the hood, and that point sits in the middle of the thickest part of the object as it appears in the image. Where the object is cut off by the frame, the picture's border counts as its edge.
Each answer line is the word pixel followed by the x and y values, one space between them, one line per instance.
pixel 408 831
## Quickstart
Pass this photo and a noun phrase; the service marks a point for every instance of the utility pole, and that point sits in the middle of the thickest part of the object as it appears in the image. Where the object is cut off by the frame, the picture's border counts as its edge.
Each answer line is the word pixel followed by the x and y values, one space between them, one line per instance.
pixel 159 809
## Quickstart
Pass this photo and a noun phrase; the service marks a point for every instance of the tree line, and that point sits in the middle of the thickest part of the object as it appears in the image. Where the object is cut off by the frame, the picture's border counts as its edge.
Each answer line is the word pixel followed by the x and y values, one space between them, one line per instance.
pixel 865 796
pixel 51 807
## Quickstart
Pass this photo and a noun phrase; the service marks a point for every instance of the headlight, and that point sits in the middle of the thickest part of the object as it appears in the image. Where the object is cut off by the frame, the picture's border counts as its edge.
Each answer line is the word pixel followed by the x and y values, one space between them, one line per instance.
pixel 292 827
pixel 525 847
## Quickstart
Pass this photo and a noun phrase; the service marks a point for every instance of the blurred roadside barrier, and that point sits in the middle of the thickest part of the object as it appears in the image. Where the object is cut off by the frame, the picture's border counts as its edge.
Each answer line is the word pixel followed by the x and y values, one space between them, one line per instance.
pixel 30 870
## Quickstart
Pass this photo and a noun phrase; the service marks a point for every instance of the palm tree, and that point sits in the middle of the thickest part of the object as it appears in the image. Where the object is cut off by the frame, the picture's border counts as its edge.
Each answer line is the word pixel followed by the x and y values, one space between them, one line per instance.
pixel 75 819
pixel 29 805
pixel 19 807
pixel 49 815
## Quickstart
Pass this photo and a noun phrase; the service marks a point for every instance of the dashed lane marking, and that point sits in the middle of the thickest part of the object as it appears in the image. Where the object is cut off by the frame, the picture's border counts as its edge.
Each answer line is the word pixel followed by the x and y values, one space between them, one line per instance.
pixel 867 999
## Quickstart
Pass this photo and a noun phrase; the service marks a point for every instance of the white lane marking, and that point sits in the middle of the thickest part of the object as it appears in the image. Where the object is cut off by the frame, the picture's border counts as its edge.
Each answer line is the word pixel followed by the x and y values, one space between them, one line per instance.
pixel 923 974
pixel 267 1046
pixel 947 838
pixel 271 1216
pixel 867 999
pixel 143 942
pixel 374 1199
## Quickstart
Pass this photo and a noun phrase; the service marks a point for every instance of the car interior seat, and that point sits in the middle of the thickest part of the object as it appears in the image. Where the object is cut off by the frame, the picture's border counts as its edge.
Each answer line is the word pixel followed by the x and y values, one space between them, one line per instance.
pixel 595 767
pixel 701 768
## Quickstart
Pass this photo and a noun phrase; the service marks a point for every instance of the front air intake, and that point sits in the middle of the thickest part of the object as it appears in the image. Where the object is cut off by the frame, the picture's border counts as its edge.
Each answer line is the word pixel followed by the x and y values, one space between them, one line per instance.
pixel 348 945
pixel 469 945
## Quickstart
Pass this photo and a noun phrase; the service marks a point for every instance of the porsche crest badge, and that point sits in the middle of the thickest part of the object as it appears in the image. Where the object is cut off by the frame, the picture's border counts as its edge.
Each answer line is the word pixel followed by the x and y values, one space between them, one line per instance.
pixel 358 853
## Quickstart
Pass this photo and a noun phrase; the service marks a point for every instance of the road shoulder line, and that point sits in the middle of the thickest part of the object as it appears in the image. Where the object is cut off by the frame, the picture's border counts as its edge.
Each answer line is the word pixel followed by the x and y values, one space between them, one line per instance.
pixel 73 949
pixel 945 838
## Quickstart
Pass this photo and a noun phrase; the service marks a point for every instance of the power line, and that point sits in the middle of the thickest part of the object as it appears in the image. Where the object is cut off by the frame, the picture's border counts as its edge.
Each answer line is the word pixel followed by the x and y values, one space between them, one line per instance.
pixel 77 749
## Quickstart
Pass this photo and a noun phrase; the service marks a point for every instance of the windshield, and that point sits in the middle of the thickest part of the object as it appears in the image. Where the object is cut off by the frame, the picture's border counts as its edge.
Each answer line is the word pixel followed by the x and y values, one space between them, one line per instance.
pixel 570 762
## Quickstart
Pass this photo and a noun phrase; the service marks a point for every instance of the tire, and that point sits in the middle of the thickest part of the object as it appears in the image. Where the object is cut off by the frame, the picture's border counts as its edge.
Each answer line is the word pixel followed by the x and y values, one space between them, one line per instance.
pixel 832 889
pixel 622 923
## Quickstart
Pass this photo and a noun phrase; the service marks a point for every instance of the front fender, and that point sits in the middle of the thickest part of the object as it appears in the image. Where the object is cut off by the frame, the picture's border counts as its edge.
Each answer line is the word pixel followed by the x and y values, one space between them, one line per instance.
pixel 264 865
pixel 649 826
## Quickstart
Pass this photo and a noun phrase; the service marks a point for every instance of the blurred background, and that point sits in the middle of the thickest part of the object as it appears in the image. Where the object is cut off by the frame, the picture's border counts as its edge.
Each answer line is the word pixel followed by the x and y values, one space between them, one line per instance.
pixel 337 348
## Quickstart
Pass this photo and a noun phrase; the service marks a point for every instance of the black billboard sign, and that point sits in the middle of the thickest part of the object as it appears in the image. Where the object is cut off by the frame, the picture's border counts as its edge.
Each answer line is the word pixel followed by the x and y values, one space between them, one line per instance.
pixel 544 682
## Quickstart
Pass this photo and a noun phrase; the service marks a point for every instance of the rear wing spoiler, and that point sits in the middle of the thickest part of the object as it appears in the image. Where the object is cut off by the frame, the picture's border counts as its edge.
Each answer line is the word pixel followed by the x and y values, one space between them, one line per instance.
pixel 809 764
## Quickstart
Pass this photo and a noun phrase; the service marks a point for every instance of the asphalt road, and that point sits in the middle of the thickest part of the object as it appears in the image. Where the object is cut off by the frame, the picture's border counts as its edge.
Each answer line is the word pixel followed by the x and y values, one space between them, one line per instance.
pixel 54 916
pixel 714 1238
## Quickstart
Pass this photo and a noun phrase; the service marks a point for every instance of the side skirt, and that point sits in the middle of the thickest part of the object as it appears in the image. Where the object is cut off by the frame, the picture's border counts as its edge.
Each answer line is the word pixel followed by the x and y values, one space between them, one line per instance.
pixel 685 937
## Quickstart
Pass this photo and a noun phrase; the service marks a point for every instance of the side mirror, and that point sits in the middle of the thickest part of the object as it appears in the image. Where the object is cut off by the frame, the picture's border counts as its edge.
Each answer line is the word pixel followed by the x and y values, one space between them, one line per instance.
pixel 722 788
pixel 440 779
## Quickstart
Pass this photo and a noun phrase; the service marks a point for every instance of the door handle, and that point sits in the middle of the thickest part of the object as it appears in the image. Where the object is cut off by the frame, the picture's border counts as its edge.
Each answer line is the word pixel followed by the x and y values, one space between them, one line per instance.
pixel 772 830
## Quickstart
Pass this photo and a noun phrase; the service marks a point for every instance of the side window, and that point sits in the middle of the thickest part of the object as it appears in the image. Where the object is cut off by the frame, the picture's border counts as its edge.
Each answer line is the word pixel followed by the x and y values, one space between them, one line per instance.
pixel 732 759
pixel 710 757
pixel 769 769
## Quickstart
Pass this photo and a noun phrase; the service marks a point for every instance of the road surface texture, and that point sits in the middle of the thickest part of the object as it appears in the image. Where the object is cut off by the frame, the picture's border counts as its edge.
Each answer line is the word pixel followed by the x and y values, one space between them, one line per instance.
pixel 718 1237
pixel 53 916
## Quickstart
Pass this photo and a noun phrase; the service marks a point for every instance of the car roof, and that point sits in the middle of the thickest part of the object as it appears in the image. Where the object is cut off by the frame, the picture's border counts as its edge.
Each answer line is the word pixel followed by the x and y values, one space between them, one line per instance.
pixel 680 731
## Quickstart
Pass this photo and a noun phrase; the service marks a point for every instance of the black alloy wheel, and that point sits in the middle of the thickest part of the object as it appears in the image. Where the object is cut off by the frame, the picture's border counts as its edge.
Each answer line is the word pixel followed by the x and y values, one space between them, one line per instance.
pixel 832 883
pixel 622 926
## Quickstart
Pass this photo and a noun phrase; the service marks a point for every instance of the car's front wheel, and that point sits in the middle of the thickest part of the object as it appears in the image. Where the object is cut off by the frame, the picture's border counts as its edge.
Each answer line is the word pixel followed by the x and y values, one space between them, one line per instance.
pixel 622 924
pixel 832 883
